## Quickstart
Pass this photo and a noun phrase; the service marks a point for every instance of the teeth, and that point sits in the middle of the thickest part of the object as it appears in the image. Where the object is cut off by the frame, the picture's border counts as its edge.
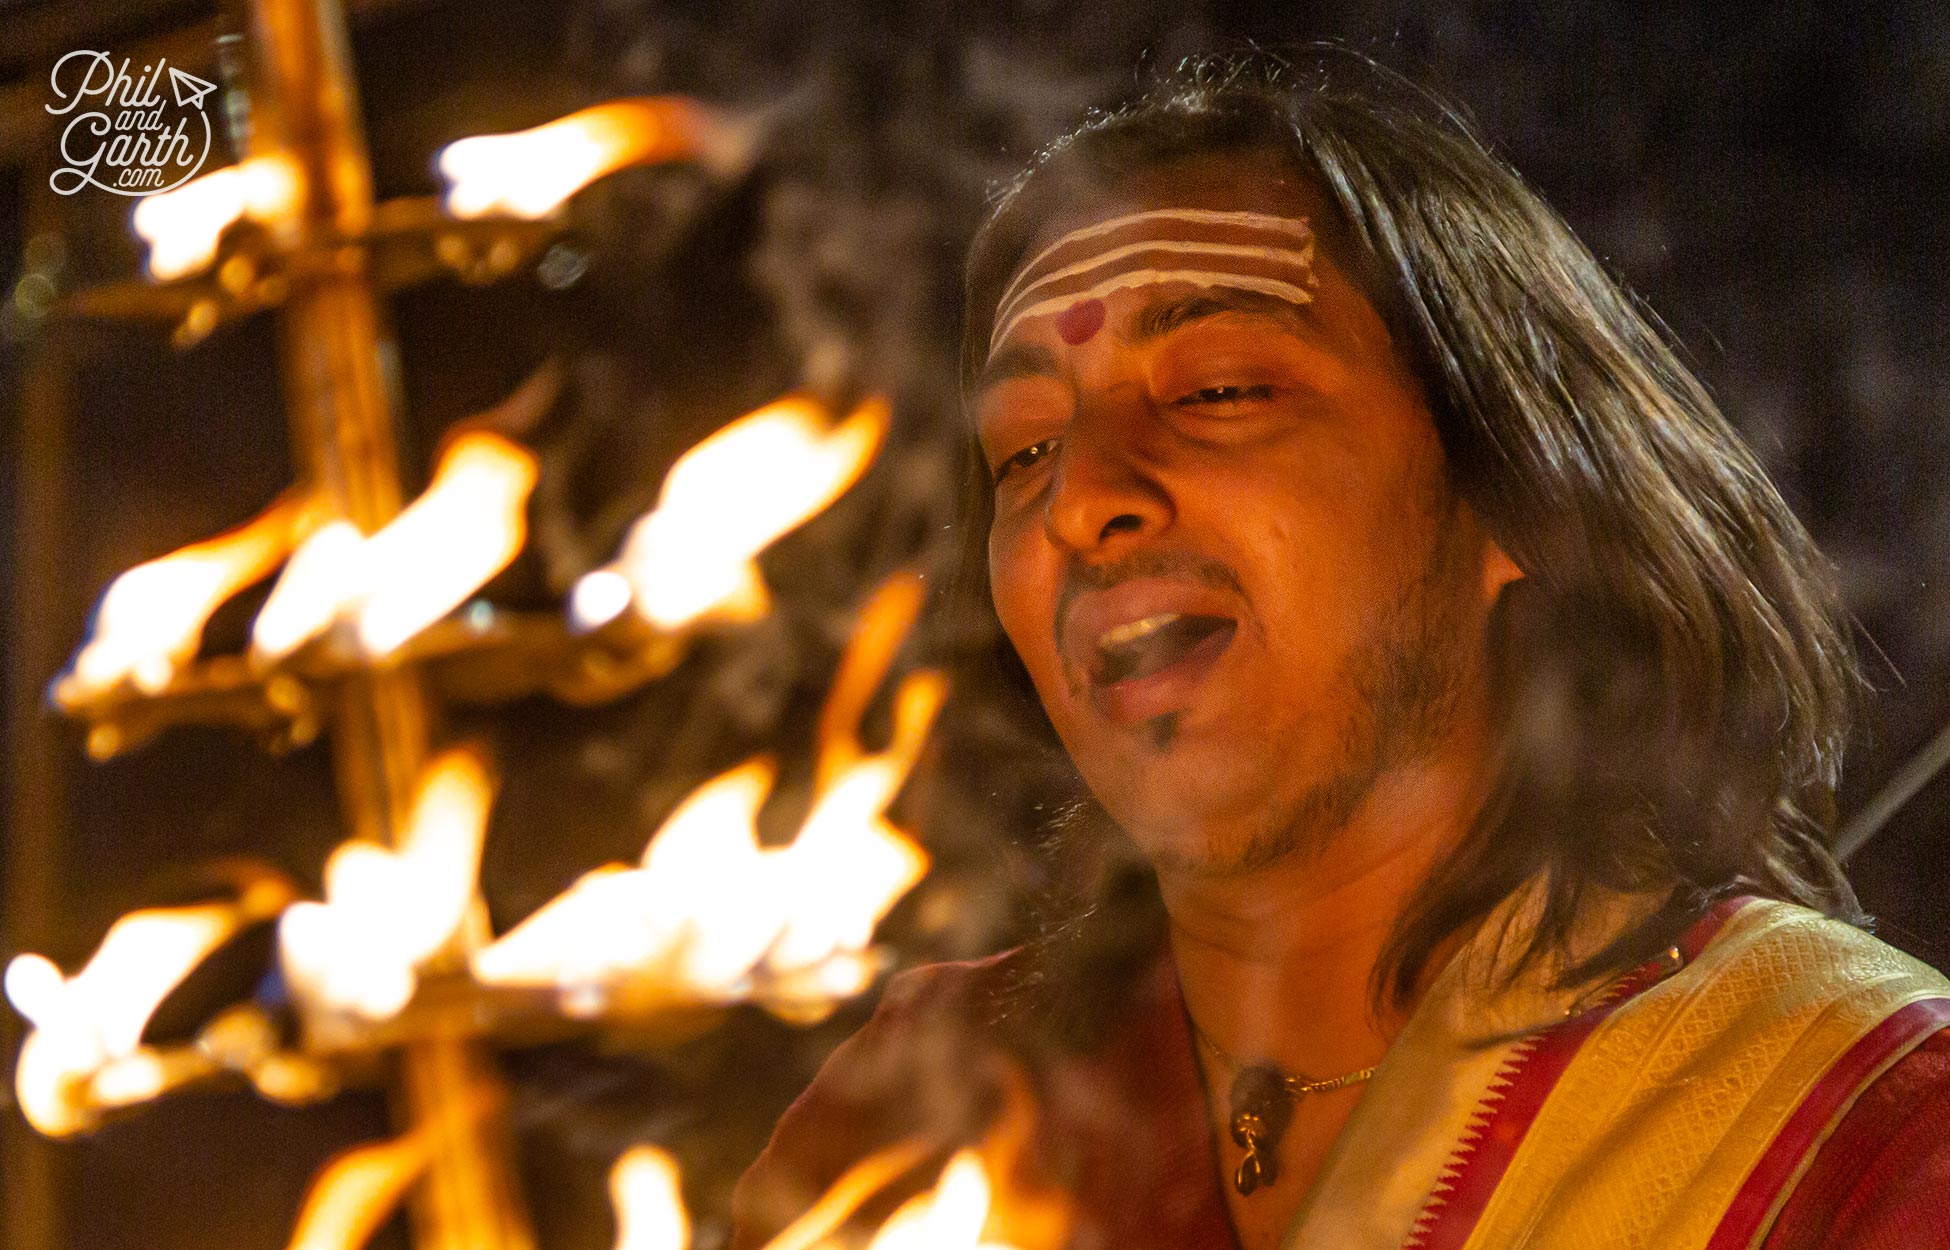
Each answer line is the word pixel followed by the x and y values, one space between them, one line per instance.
pixel 1122 635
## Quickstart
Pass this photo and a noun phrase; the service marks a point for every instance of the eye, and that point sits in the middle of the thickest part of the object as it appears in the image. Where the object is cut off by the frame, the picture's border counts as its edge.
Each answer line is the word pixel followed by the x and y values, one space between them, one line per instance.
pixel 1219 396
pixel 1025 458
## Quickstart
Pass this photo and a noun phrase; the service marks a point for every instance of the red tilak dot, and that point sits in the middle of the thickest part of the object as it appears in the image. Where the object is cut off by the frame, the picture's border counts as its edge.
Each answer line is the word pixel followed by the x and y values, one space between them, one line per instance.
pixel 1080 320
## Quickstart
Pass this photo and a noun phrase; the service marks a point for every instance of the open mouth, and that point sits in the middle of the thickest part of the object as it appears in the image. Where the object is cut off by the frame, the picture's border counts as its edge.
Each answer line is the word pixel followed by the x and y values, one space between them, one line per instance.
pixel 1144 648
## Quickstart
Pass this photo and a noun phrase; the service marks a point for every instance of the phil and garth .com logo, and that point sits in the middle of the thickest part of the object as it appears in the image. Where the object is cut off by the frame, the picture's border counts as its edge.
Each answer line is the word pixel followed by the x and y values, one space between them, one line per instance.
pixel 124 133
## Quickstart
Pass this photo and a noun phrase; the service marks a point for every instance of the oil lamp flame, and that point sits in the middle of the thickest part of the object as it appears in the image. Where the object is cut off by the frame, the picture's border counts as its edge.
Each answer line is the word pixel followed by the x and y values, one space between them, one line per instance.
pixel 323 576
pixel 182 226
pixel 980 1201
pixel 948 1217
pixel 531 173
pixel 150 620
pixel 814 1228
pixel 727 499
pixel 356 1192
pixel 649 1204
pixel 648 1200
pixel 89 1026
pixel 617 922
pixel 468 526
pixel 388 911
pixel 709 912
pixel 849 866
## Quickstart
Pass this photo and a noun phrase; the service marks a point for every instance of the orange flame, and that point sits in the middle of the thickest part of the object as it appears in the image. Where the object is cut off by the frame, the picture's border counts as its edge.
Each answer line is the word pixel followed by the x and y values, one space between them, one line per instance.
pixel 948 1217
pixel 644 1190
pixel 848 1194
pixel 151 618
pixel 85 1051
pixel 724 501
pixel 182 226
pixel 149 1073
pixel 386 912
pixel 697 915
pixel 531 173
pixel 953 1214
pixel 1026 1213
pixel 979 1201
pixel 710 912
pixel 244 1039
pixel 850 864
pixel 855 864
pixel 356 1192
pixel 469 525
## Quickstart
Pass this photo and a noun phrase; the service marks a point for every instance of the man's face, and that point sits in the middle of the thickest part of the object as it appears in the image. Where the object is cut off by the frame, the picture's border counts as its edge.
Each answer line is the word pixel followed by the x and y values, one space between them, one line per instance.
pixel 1224 542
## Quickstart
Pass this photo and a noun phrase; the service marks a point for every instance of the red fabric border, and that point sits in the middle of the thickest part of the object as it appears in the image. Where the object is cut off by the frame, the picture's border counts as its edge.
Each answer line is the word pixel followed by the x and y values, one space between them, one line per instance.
pixel 1759 1199
pixel 1517 1094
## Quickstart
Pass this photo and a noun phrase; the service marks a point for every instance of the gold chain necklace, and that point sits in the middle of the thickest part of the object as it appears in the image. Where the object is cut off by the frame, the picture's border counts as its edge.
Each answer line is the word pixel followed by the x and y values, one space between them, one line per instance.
pixel 1263 1099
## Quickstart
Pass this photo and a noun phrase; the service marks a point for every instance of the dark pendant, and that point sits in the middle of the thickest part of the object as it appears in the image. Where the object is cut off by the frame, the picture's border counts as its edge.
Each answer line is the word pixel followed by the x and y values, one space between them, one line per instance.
pixel 1261 1110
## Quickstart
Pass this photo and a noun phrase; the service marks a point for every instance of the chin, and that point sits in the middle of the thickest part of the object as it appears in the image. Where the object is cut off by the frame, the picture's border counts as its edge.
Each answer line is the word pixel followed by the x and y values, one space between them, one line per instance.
pixel 1207 849
pixel 1186 810
pixel 1213 805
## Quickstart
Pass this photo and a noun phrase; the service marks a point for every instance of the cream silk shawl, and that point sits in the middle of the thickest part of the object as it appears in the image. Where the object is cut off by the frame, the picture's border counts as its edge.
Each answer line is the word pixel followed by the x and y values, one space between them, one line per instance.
pixel 1673 1111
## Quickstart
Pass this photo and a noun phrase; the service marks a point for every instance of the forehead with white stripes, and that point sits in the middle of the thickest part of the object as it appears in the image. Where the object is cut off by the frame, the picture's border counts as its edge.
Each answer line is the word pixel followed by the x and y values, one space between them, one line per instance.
pixel 1070 278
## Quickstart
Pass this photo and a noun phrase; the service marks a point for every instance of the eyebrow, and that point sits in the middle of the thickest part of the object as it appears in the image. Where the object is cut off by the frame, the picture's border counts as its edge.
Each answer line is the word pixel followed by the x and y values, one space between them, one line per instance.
pixel 1161 317
pixel 1017 360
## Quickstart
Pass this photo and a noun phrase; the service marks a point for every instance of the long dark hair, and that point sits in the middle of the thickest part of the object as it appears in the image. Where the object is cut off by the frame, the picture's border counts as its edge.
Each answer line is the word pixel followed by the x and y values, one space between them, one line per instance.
pixel 1672 678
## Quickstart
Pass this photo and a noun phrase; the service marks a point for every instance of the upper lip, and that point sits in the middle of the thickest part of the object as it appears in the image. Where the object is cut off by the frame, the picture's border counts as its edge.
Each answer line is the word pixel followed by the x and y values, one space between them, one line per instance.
pixel 1092 614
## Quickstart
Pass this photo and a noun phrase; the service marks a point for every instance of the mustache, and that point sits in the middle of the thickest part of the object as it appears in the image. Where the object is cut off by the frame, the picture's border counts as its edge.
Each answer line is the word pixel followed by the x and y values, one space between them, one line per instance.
pixel 1188 566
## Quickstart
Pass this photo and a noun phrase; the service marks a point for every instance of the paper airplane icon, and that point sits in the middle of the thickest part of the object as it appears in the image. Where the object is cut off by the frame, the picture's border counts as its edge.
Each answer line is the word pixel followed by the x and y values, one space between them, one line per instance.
pixel 189 89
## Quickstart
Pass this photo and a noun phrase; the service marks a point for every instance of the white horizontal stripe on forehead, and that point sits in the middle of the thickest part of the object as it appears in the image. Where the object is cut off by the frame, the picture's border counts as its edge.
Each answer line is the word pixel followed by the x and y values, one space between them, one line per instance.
pixel 1156 277
pixel 1294 226
pixel 1296 258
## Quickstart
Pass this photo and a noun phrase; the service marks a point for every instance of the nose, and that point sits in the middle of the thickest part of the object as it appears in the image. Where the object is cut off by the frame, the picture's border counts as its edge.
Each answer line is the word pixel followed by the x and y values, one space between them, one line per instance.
pixel 1105 489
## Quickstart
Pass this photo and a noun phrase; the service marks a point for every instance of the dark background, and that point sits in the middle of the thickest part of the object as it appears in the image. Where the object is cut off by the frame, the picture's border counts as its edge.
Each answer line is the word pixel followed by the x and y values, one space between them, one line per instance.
pixel 1771 179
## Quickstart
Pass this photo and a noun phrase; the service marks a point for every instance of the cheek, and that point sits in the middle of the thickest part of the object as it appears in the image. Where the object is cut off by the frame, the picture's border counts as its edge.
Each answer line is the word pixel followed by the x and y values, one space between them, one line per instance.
pixel 1311 558
pixel 1023 583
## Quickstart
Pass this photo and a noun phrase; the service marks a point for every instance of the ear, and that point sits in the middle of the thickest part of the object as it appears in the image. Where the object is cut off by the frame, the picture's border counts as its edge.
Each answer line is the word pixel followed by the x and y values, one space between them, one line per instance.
pixel 1499 570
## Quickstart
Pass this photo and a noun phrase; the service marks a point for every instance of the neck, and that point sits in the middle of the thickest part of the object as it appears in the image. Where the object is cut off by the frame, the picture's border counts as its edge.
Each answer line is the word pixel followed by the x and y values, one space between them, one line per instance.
pixel 1277 964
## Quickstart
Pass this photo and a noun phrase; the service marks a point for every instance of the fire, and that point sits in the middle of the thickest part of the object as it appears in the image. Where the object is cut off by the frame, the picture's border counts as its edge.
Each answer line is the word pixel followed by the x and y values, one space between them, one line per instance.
pixel 813 1229
pixel 150 620
pixel 468 526
pixel 182 226
pixel 387 912
pixel 244 1039
pixel 321 579
pixel 948 1217
pixel 85 1051
pixel 711 913
pixel 849 864
pixel 617 921
pixel 146 1074
pixel 980 1201
pixel 356 1192
pixel 855 864
pixel 727 499
pixel 643 1188
pixel 966 1209
pixel 531 173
